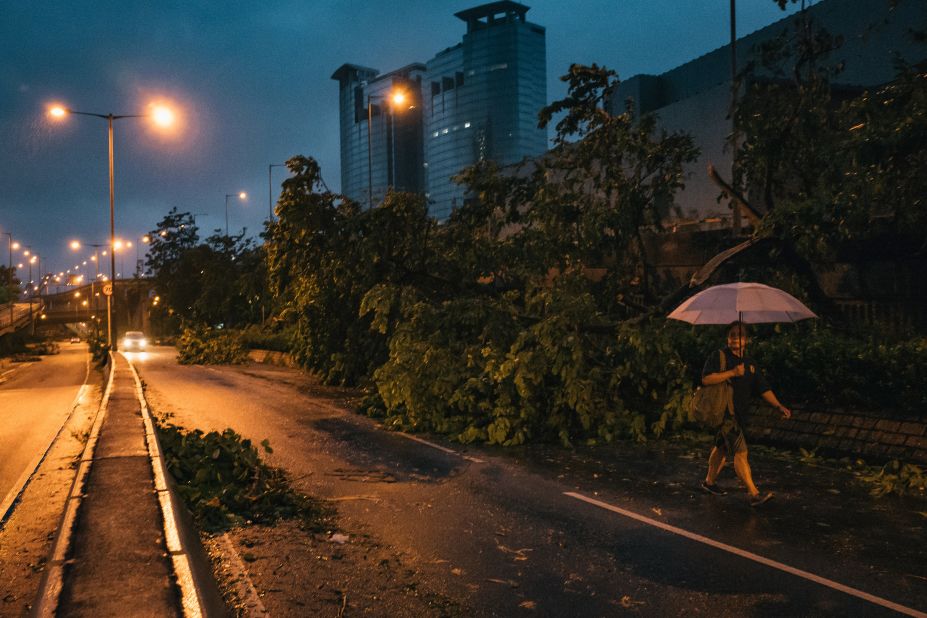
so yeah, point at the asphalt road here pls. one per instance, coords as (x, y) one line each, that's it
(35, 400)
(505, 535)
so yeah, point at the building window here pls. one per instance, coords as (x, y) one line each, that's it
(435, 89)
(359, 104)
(447, 84)
(459, 79)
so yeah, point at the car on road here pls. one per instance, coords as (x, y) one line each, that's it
(75, 339)
(134, 341)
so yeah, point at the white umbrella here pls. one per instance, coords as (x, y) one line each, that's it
(751, 303)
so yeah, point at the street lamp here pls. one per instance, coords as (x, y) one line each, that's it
(144, 240)
(162, 116)
(396, 98)
(95, 258)
(120, 246)
(242, 196)
(270, 207)
(9, 273)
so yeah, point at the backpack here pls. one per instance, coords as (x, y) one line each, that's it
(709, 403)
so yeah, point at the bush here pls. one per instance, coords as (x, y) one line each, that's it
(99, 350)
(820, 366)
(224, 483)
(256, 337)
(205, 346)
(476, 369)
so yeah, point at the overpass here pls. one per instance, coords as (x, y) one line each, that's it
(16, 316)
(87, 303)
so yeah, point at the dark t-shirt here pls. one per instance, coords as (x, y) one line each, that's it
(752, 383)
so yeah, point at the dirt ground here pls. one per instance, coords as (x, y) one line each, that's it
(27, 536)
(351, 574)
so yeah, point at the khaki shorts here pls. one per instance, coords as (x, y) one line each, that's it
(731, 437)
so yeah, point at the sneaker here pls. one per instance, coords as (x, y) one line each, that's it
(759, 499)
(712, 488)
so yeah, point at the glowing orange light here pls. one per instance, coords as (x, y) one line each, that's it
(162, 115)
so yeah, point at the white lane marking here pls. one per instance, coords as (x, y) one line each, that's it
(440, 448)
(751, 556)
(181, 560)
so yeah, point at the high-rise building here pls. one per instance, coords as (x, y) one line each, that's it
(381, 131)
(478, 100)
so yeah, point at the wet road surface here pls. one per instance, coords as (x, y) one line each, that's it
(35, 400)
(498, 533)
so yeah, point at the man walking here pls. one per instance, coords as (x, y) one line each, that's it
(746, 381)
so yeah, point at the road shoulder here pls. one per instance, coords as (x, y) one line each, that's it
(26, 537)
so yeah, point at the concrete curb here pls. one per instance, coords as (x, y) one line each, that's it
(200, 594)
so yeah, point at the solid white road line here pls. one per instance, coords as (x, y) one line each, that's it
(751, 556)
(440, 448)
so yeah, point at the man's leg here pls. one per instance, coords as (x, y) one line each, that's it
(742, 468)
(716, 461)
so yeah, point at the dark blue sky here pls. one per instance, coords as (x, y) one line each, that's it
(252, 81)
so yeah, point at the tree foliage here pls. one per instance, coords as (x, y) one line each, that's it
(831, 164)
(217, 282)
(9, 285)
(489, 326)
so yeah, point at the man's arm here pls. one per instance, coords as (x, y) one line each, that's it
(770, 398)
(717, 378)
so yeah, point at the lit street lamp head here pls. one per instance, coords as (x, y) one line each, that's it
(162, 115)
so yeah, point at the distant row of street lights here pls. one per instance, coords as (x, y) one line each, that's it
(164, 117)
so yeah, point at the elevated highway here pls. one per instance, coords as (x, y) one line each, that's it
(87, 303)
(16, 316)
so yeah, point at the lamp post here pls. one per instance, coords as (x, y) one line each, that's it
(395, 97)
(138, 260)
(120, 246)
(9, 273)
(270, 198)
(162, 116)
(240, 195)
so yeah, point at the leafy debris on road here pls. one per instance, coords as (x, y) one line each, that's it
(205, 346)
(224, 482)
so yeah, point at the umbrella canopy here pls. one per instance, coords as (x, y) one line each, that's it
(751, 303)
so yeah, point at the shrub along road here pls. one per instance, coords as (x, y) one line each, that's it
(539, 529)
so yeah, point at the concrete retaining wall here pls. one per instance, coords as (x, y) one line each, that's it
(269, 357)
(842, 432)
